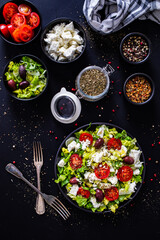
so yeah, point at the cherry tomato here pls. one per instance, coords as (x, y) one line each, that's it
(33, 20)
(9, 10)
(102, 171)
(18, 20)
(124, 173)
(85, 136)
(24, 9)
(16, 35)
(111, 194)
(114, 143)
(10, 28)
(26, 33)
(84, 193)
(75, 161)
(4, 30)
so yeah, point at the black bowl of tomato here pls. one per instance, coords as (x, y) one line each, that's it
(20, 22)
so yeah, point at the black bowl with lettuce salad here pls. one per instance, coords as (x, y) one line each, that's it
(99, 167)
(25, 77)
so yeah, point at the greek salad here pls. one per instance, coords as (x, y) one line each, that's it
(100, 168)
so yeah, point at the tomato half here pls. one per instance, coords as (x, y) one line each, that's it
(16, 35)
(111, 194)
(114, 143)
(124, 173)
(18, 20)
(85, 136)
(24, 9)
(33, 20)
(4, 30)
(84, 193)
(10, 28)
(102, 171)
(9, 10)
(26, 33)
(75, 161)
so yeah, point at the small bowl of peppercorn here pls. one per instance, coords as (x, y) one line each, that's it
(139, 89)
(135, 48)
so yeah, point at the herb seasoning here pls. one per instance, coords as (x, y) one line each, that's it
(93, 82)
(138, 89)
(135, 48)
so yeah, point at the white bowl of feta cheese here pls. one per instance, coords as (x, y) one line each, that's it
(63, 40)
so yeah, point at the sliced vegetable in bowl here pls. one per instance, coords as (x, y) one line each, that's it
(16, 14)
(25, 77)
(101, 169)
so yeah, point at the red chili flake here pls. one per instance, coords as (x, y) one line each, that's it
(51, 132)
(120, 93)
(155, 175)
(151, 179)
(152, 144)
(117, 67)
(76, 124)
(112, 82)
(56, 138)
(149, 159)
(109, 62)
(113, 110)
(159, 143)
(97, 106)
(14, 162)
(73, 89)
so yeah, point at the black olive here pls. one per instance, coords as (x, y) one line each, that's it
(128, 160)
(23, 84)
(22, 72)
(99, 195)
(99, 143)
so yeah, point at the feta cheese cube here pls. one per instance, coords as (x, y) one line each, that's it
(135, 154)
(100, 132)
(79, 48)
(85, 144)
(69, 53)
(66, 35)
(78, 38)
(136, 172)
(113, 180)
(69, 27)
(61, 163)
(74, 189)
(97, 157)
(95, 203)
(73, 145)
(131, 189)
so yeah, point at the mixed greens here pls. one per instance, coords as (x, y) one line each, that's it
(100, 168)
(26, 78)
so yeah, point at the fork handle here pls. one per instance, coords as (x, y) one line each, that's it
(15, 171)
(40, 205)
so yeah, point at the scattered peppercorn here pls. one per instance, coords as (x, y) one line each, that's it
(135, 48)
(138, 89)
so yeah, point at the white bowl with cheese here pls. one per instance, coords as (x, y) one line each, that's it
(63, 40)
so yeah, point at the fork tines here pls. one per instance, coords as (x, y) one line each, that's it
(60, 208)
(37, 152)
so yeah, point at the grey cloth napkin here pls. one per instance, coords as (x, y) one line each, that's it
(107, 16)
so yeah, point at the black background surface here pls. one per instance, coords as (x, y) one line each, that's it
(23, 122)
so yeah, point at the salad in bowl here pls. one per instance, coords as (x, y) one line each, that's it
(100, 168)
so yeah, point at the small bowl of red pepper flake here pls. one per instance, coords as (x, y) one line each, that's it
(139, 89)
(135, 48)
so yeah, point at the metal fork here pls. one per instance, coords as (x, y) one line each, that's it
(38, 162)
(54, 202)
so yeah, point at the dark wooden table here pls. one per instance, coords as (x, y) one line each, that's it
(23, 122)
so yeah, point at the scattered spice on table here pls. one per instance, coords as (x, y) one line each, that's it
(138, 89)
(135, 48)
(93, 82)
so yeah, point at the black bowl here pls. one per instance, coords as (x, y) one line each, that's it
(135, 34)
(58, 156)
(36, 30)
(17, 59)
(51, 25)
(149, 80)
